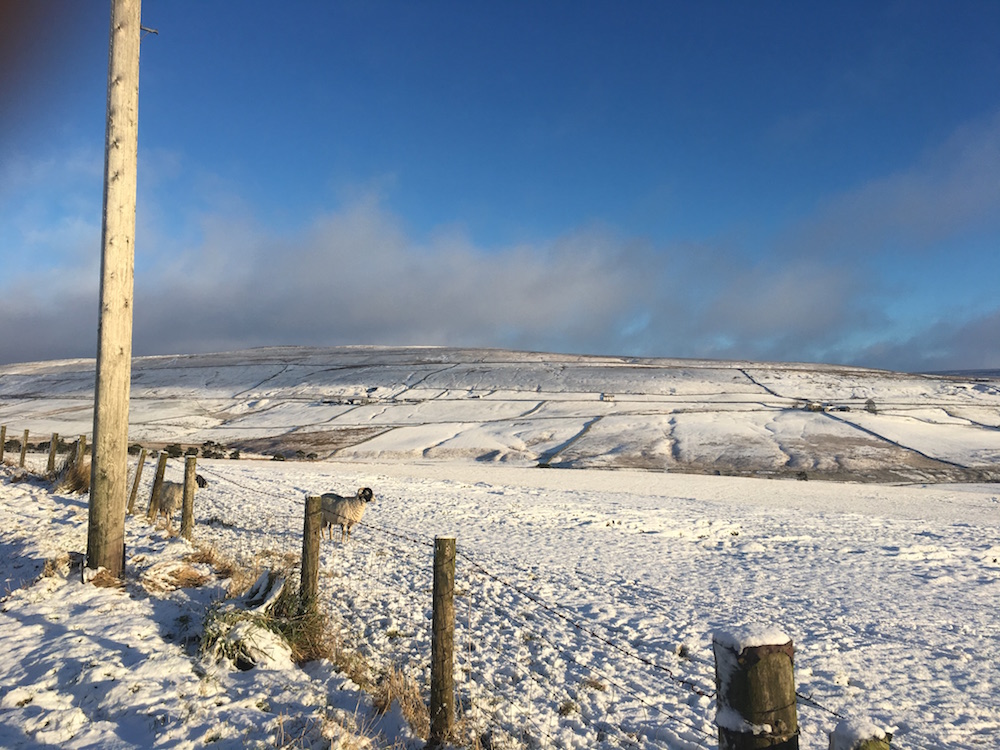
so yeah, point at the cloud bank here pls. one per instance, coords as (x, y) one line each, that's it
(220, 277)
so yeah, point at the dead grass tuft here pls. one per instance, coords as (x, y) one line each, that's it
(105, 580)
(73, 476)
(396, 687)
(170, 576)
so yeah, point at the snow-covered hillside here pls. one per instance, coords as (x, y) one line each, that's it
(587, 599)
(526, 409)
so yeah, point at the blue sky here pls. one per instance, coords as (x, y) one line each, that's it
(769, 180)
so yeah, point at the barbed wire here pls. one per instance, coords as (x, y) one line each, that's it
(552, 609)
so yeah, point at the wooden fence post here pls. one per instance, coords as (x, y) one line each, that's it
(187, 506)
(755, 689)
(154, 496)
(135, 482)
(309, 579)
(53, 447)
(443, 642)
(859, 735)
(24, 448)
(3, 440)
(81, 449)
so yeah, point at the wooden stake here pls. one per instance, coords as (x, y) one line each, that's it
(109, 464)
(154, 496)
(312, 527)
(24, 448)
(135, 482)
(53, 446)
(187, 506)
(443, 642)
(3, 440)
(755, 690)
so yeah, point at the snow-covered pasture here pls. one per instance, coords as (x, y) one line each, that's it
(587, 600)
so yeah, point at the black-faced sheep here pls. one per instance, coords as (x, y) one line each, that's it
(345, 511)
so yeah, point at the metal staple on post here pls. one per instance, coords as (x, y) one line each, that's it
(443, 642)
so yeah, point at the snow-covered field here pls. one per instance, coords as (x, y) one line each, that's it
(491, 406)
(587, 598)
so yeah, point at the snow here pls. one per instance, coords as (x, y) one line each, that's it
(849, 733)
(751, 635)
(587, 599)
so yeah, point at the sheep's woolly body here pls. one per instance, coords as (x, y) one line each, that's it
(171, 497)
(344, 511)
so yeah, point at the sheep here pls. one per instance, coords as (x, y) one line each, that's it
(345, 511)
(171, 497)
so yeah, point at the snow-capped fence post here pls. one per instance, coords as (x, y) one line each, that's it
(154, 496)
(50, 467)
(187, 505)
(135, 481)
(859, 735)
(755, 689)
(312, 526)
(443, 642)
(24, 448)
(3, 440)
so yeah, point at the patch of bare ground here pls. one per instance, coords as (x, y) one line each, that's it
(323, 443)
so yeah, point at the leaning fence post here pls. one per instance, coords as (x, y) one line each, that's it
(755, 689)
(154, 496)
(53, 447)
(852, 734)
(24, 448)
(443, 642)
(3, 440)
(312, 524)
(135, 482)
(187, 506)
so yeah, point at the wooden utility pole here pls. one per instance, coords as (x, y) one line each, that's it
(109, 464)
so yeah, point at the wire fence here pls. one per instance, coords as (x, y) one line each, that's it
(532, 671)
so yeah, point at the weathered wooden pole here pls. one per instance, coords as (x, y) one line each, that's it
(755, 689)
(81, 449)
(851, 734)
(154, 496)
(135, 482)
(50, 468)
(109, 465)
(3, 440)
(312, 527)
(187, 506)
(443, 642)
(24, 449)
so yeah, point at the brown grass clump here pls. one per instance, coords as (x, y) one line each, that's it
(396, 687)
(73, 476)
(105, 580)
(170, 576)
